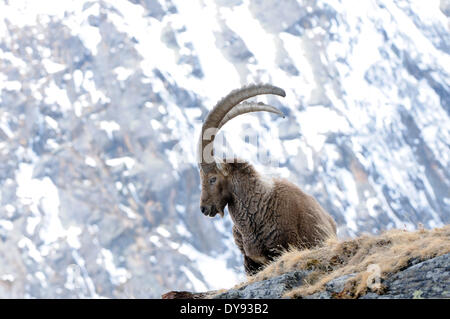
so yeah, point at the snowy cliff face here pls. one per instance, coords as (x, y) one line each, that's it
(101, 105)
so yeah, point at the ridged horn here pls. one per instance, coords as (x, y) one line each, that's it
(215, 119)
(248, 107)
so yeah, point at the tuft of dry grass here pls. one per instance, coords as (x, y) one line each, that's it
(390, 252)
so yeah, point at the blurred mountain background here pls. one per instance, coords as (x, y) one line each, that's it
(101, 104)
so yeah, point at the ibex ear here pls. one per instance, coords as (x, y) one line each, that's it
(223, 169)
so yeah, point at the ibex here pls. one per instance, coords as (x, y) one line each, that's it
(268, 216)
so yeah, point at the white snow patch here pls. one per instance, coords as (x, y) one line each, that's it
(4, 125)
(32, 251)
(109, 127)
(90, 161)
(130, 213)
(32, 223)
(213, 269)
(155, 240)
(317, 121)
(216, 68)
(77, 79)
(180, 208)
(7, 277)
(258, 41)
(156, 125)
(126, 160)
(72, 236)
(118, 275)
(372, 202)
(51, 122)
(198, 285)
(52, 67)
(182, 230)
(43, 194)
(292, 146)
(6, 224)
(122, 73)
(9, 85)
(42, 279)
(55, 94)
(96, 95)
(10, 209)
(163, 232)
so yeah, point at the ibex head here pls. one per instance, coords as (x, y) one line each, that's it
(214, 173)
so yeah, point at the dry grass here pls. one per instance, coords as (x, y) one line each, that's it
(391, 251)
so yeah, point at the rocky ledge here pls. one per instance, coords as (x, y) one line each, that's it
(426, 279)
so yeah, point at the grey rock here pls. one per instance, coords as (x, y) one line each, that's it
(427, 279)
(333, 286)
(266, 289)
(232, 46)
(337, 285)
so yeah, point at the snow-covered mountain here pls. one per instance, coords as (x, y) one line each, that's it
(101, 105)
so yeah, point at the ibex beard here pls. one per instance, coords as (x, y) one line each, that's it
(268, 216)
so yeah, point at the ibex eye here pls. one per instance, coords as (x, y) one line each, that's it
(212, 180)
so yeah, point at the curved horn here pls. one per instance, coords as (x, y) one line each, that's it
(248, 107)
(217, 114)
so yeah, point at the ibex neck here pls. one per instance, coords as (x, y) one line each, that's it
(249, 196)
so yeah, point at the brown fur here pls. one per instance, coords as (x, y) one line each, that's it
(268, 216)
